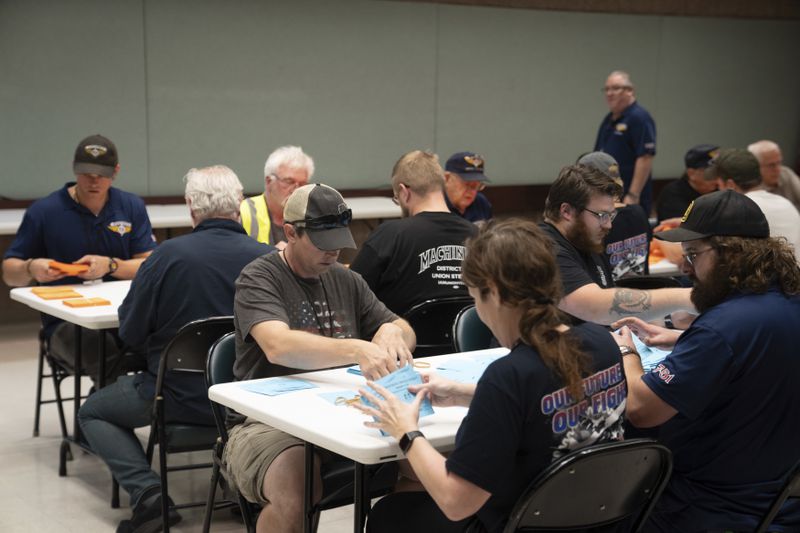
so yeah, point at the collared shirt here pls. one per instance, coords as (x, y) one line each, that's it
(186, 278)
(479, 209)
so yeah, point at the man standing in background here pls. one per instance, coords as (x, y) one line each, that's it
(628, 134)
(286, 169)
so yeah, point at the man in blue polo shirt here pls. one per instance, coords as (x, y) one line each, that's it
(88, 222)
(463, 182)
(187, 278)
(726, 398)
(628, 133)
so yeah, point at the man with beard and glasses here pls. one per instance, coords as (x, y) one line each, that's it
(418, 257)
(577, 216)
(726, 398)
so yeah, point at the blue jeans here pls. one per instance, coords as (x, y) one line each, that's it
(107, 419)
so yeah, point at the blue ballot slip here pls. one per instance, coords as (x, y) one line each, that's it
(397, 383)
(277, 386)
(466, 370)
(650, 355)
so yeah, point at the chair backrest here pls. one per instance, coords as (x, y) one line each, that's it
(469, 331)
(790, 489)
(596, 486)
(219, 369)
(188, 349)
(432, 321)
(648, 282)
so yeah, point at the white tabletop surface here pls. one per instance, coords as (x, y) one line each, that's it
(177, 215)
(95, 317)
(339, 428)
(664, 268)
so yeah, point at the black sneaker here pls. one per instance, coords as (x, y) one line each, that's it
(147, 514)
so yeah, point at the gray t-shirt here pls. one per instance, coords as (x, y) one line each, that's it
(339, 304)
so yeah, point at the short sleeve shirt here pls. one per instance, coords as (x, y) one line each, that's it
(522, 417)
(628, 242)
(578, 268)
(479, 209)
(339, 304)
(675, 197)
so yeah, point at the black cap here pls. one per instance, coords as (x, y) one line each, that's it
(468, 165)
(95, 155)
(726, 213)
(700, 156)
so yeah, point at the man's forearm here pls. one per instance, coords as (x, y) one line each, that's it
(648, 304)
(641, 171)
(306, 351)
(16, 272)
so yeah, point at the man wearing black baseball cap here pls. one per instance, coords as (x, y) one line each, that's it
(87, 222)
(301, 310)
(463, 182)
(726, 397)
(677, 195)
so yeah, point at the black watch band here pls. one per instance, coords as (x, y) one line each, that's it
(408, 438)
(668, 322)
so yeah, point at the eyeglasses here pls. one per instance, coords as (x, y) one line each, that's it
(604, 218)
(474, 185)
(614, 88)
(691, 256)
(286, 182)
(326, 221)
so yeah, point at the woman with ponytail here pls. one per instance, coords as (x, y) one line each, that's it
(559, 389)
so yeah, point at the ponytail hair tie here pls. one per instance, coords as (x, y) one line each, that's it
(544, 301)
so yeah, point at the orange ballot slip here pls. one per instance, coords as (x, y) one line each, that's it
(86, 302)
(69, 268)
(55, 293)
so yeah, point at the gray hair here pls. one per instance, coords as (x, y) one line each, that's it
(291, 157)
(625, 76)
(761, 148)
(213, 192)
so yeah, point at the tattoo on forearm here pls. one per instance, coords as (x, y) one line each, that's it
(630, 302)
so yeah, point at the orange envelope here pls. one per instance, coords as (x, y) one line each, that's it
(69, 268)
(86, 302)
(62, 295)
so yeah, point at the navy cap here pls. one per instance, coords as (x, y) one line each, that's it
(468, 165)
(700, 156)
(726, 213)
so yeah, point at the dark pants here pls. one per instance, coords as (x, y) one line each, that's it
(404, 512)
(62, 348)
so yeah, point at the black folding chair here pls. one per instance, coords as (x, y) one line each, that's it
(595, 487)
(790, 489)
(58, 373)
(432, 321)
(337, 477)
(469, 331)
(186, 353)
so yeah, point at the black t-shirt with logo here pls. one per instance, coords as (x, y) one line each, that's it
(413, 259)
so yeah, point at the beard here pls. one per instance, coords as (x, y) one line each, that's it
(707, 294)
(581, 239)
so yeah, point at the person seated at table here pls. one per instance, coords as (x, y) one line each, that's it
(627, 244)
(726, 399)
(186, 278)
(560, 389)
(301, 310)
(286, 169)
(89, 222)
(463, 182)
(418, 257)
(578, 214)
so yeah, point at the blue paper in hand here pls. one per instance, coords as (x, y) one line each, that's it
(397, 383)
(276, 386)
(650, 355)
(466, 370)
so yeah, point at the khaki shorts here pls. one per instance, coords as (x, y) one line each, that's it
(251, 448)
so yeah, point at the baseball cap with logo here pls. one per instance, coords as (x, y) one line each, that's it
(700, 156)
(95, 155)
(321, 212)
(468, 165)
(601, 161)
(726, 213)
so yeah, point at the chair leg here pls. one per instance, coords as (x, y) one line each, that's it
(62, 457)
(162, 462)
(212, 492)
(39, 379)
(58, 377)
(114, 493)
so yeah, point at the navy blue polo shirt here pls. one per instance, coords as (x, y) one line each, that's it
(57, 227)
(626, 139)
(479, 209)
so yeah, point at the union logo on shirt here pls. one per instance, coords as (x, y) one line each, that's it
(121, 227)
(621, 126)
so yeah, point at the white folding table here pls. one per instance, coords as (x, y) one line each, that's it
(339, 428)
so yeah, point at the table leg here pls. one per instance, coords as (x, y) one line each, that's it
(308, 497)
(101, 366)
(360, 499)
(76, 429)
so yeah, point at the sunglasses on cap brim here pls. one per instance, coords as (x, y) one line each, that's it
(326, 221)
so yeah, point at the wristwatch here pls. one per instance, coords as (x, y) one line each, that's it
(408, 438)
(112, 265)
(625, 350)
